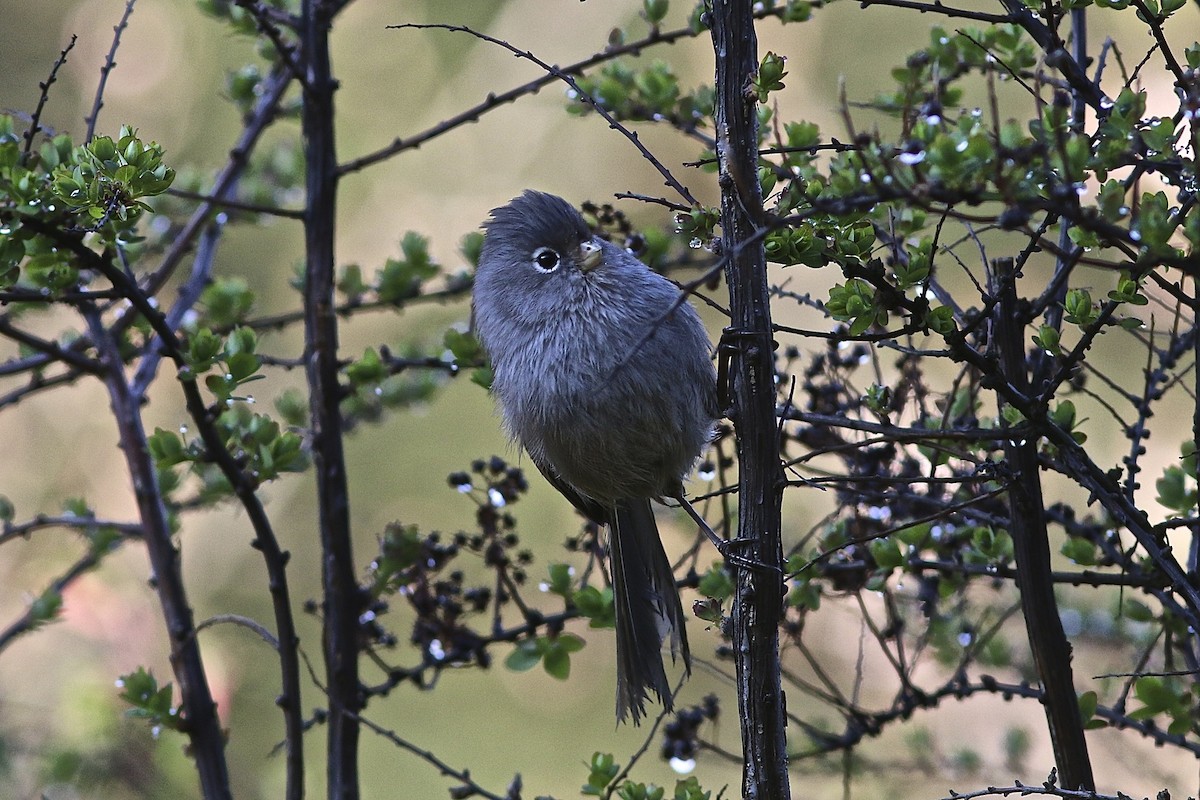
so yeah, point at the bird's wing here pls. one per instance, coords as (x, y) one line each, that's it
(591, 509)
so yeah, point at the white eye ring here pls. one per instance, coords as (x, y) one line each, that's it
(546, 259)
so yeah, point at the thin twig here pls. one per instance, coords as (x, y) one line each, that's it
(21, 530)
(581, 95)
(109, 63)
(469, 787)
(35, 121)
(237, 205)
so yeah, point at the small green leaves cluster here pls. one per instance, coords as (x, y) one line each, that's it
(962, 156)
(99, 187)
(649, 93)
(1079, 308)
(857, 303)
(150, 701)
(594, 604)
(896, 550)
(468, 354)
(401, 278)
(603, 770)
(769, 77)
(404, 278)
(1165, 696)
(263, 448)
(225, 303)
(380, 380)
(698, 225)
(552, 652)
(256, 441)
(399, 551)
(1177, 488)
(106, 179)
(950, 55)
(1063, 415)
(45, 608)
(822, 240)
(238, 17)
(234, 354)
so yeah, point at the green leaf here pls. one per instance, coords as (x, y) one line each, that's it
(1012, 415)
(1154, 693)
(1079, 550)
(292, 405)
(1047, 338)
(150, 701)
(596, 605)
(45, 608)
(1174, 491)
(886, 553)
(202, 349)
(227, 302)
(1088, 702)
(367, 370)
(465, 347)
(1136, 611)
(399, 550)
(769, 77)
(915, 535)
(716, 583)
(1080, 310)
(569, 642)
(524, 656)
(805, 594)
(401, 279)
(655, 10)
(602, 769)
(166, 448)
(471, 246)
(242, 366)
(1063, 415)
(484, 376)
(351, 283)
(561, 578)
(557, 663)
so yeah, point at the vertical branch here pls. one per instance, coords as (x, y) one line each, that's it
(1193, 561)
(340, 590)
(1043, 365)
(35, 121)
(758, 603)
(109, 63)
(1031, 549)
(202, 725)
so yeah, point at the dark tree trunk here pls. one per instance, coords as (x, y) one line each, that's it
(1031, 548)
(340, 588)
(758, 603)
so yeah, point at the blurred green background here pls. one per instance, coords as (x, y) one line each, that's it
(61, 724)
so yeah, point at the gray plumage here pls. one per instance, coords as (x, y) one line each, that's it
(605, 377)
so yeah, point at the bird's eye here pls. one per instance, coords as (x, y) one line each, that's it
(545, 259)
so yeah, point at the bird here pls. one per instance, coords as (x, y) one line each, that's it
(603, 372)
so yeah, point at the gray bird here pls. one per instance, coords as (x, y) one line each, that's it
(604, 374)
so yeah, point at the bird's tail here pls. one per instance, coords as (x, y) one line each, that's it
(647, 609)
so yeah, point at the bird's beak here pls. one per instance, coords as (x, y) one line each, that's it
(588, 257)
